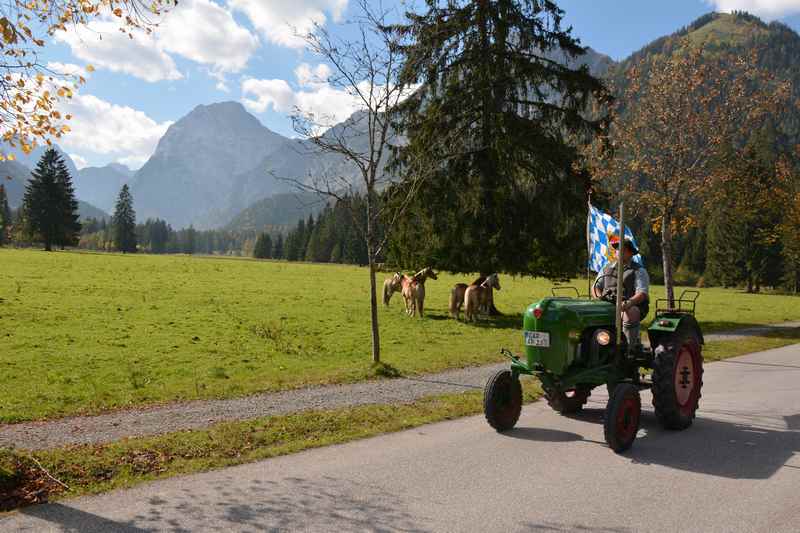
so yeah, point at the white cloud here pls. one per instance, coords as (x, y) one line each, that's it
(768, 9)
(275, 93)
(67, 69)
(314, 96)
(79, 161)
(123, 133)
(282, 20)
(104, 46)
(199, 30)
(205, 32)
(312, 77)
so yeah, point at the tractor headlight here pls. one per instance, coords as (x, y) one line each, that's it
(602, 337)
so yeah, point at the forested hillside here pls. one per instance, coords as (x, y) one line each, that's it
(737, 227)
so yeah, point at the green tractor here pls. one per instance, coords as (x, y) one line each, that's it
(573, 344)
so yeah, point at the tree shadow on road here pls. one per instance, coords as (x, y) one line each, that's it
(737, 450)
(326, 504)
(67, 518)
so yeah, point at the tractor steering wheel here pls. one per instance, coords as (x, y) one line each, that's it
(609, 294)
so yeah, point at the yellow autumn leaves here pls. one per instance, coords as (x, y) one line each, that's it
(29, 91)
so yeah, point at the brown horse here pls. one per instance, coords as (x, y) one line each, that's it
(457, 296)
(391, 286)
(476, 297)
(413, 289)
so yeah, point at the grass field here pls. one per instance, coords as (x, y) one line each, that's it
(83, 333)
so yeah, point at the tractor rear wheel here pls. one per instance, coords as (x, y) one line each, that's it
(677, 380)
(502, 400)
(569, 401)
(622, 417)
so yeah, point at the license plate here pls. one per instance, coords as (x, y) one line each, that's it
(538, 339)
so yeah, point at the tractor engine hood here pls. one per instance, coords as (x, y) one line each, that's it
(564, 320)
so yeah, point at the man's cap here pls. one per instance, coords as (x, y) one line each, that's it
(628, 244)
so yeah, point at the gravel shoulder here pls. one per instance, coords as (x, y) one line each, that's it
(202, 413)
(158, 420)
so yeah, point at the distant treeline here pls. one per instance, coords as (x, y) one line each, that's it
(331, 237)
(156, 236)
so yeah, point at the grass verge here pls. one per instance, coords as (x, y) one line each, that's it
(89, 469)
(87, 333)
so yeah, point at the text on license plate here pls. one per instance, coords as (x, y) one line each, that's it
(539, 339)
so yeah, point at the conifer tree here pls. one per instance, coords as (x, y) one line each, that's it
(71, 227)
(50, 209)
(5, 215)
(295, 244)
(189, 240)
(493, 135)
(263, 247)
(125, 222)
(277, 252)
(308, 235)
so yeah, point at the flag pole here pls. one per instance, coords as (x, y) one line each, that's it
(589, 249)
(620, 272)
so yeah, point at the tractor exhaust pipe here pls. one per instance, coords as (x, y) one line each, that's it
(620, 272)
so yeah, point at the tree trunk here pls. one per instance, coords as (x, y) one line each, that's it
(666, 253)
(373, 303)
(373, 291)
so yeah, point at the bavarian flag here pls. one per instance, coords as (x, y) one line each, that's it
(600, 229)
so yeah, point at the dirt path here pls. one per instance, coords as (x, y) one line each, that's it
(202, 413)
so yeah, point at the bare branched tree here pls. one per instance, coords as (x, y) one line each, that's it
(367, 68)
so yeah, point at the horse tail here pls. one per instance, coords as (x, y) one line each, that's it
(453, 304)
(469, 305)
(387, 292)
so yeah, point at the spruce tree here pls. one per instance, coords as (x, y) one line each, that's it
(189, 240)
(309, 234)
(493, 136)
(5, 215)
(295, 243)
(71, 227)
(125, 222)
(263, 247)
(277, 252)
(49, 207)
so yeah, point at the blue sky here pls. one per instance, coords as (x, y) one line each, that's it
(245, 50)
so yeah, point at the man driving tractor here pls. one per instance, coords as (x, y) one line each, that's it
(636, 285)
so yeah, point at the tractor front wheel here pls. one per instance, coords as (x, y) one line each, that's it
(567, 402)
(622, 417)
(677, 382)
(502, 400)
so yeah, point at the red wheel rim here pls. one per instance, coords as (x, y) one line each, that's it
(628, 419)
(686, 378)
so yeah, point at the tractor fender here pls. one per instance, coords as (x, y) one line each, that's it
(670, 323)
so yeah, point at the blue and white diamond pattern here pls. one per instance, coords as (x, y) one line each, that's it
(600, 227)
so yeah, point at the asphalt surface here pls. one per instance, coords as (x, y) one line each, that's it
(736, 469)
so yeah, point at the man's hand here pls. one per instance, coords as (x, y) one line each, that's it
(626, 304)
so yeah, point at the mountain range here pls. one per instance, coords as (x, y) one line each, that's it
(218, 166)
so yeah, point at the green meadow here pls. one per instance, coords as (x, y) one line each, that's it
(83, 333)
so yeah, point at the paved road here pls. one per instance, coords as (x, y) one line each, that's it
(736, 469)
